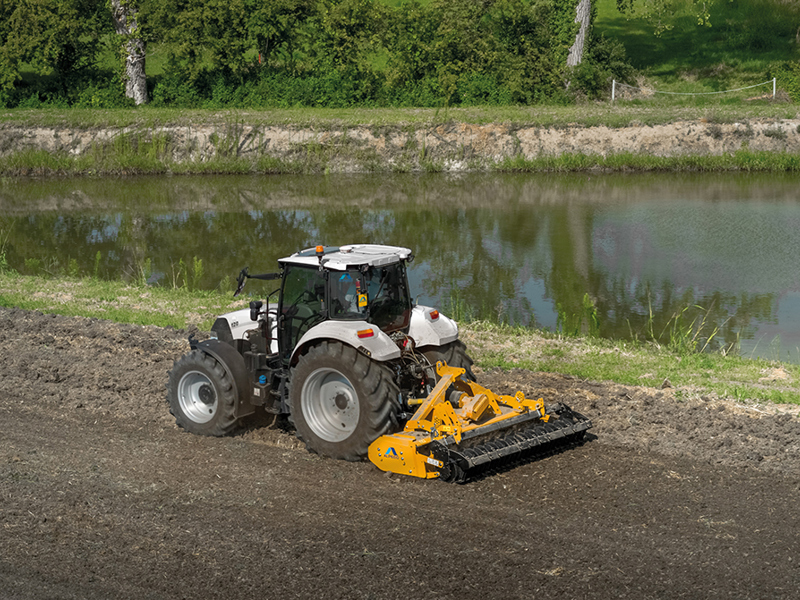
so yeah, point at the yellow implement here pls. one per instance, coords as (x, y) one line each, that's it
(462, 426)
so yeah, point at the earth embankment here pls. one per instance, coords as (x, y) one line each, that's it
(451, 146)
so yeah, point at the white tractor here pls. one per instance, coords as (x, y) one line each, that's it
(342, 351)
(349, 357)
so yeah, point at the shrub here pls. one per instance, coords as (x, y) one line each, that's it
(102, 94)
(788, 76)
(604, 60)
(174, 90)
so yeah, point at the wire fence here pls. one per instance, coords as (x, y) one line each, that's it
(616, 83)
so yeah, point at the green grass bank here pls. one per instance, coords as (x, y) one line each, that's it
(491, 345)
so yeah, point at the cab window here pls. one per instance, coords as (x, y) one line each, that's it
(303, 303)
(379, 295)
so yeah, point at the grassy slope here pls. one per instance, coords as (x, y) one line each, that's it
(734, 51)
(491, 345)
(654, 112)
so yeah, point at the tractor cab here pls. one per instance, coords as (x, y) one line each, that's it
(349, 283)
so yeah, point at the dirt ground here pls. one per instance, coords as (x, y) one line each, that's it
(101, 496)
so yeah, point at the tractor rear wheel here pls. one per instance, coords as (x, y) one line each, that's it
(340, 401)
(454, 354)
(201, 395)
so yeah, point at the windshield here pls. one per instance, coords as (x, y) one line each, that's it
(379, 296)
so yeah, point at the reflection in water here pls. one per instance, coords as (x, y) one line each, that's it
(622, 255)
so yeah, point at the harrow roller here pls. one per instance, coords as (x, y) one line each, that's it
(462, 429)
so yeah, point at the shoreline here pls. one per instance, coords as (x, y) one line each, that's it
(747, 381)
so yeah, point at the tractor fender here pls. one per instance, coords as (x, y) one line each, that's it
(431, 328)
(234, 325)
(238, 322)
(233, 363)
(377, 345)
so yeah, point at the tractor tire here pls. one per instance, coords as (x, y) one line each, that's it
(340, 401)
(454, 354)
(201, 395)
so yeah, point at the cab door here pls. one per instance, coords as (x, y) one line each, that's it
(302, 305)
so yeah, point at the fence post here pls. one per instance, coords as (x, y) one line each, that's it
(773, 87)
(613, 89)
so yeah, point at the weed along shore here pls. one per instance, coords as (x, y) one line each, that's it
(463, 141)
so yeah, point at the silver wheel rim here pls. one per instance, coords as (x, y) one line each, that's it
(330, 405)
(197, 397)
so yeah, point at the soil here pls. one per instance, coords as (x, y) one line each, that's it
(102, 496)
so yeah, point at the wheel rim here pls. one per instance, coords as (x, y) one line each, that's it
(330, 405)
(197, 397)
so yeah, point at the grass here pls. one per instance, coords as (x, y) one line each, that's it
(136, 303)
(146, 158)
(491, 345)
(633, 363)
(738, 49)
(742, 160)
(652, 112)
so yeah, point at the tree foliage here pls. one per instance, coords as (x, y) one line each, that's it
(662, 12)
(200, 34)
(344, 34)
(273, 29)
(58, 37)
(492, 49)
(308, 52)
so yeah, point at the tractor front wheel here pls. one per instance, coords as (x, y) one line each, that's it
(201, 395)
(340, 401)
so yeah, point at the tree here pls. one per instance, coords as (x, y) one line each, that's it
(525, 59)
(410, 37)
(202, 35)
(273, 28)
(59, 37)
(125, 15)
(481, 50)
(9, 72)
(461, 44)
(345, 33)
(583, 15)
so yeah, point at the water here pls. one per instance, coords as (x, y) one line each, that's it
(636, 255)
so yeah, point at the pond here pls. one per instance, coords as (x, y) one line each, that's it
(709, 259)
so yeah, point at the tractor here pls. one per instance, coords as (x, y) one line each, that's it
(351, 359)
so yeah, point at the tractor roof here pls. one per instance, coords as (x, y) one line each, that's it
(354, 255)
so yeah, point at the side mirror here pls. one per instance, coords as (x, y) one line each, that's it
(255, 309)
(240, 282)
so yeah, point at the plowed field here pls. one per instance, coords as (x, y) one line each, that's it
(101, 496)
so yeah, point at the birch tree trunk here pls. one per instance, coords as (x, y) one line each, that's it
(124, 15)
(582, 16)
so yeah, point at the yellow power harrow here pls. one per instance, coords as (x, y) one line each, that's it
(463, 427)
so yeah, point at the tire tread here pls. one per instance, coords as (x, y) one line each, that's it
(375, 379)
